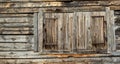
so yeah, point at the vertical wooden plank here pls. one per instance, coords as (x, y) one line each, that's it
(114, 39)
(56, 16)
(77, 42)
(80, 20)
(112, 20)
(67, 43)
(86, 16)
(60, 42)
(74, 32)
(110, 30)
(65, 36)
(55, 32)
(51, 31)
(83, 29)
(88, 44)
(64, 31)
(40, 30)
(70, 30)
(35, 21)
(79, 28)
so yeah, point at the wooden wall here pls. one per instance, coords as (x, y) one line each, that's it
(18, 23)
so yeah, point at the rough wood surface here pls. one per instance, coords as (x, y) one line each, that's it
(35, 22)
(110, 30)
(64, 29)
(40, 31)
(75, 33)
(20, 3)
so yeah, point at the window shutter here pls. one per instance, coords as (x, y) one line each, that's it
(57, 31)
(72, 32)
(90, 32)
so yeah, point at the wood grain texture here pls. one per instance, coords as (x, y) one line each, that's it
(35, 22)
(40, 31)
(16, 32)
(110, 30)
(77, 32)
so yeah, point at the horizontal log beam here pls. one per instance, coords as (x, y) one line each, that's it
(48, 0)
(48, 4)
(61, 9)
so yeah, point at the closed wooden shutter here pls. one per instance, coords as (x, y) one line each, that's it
(90, 32)
(81, 32)
(58, 32)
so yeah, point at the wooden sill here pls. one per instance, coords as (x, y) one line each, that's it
(77, 55)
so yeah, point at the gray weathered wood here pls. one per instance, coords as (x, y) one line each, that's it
(110, 30)
(35, 21)
(60, 42)
(15, 38)
(15, 46)
(88, 44)
(74, 32)
(40, 30)
(56, 3)
(66, 9)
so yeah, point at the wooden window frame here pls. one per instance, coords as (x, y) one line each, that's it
(40, 26)
(35, 23)
(111, 46)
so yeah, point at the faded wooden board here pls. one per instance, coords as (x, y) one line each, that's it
(60, 63)
(83, 41)
(40, 31)
(16, 38)
(15, 46)
(16, 15)
(33, 0)
(82, 34)
(110, 30)
(70, 31)
(60, 21)
(62, 9)
(9, 25)
(35, 22)
(15, 19)
(45, 4)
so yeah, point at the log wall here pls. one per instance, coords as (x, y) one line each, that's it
(19, 20)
